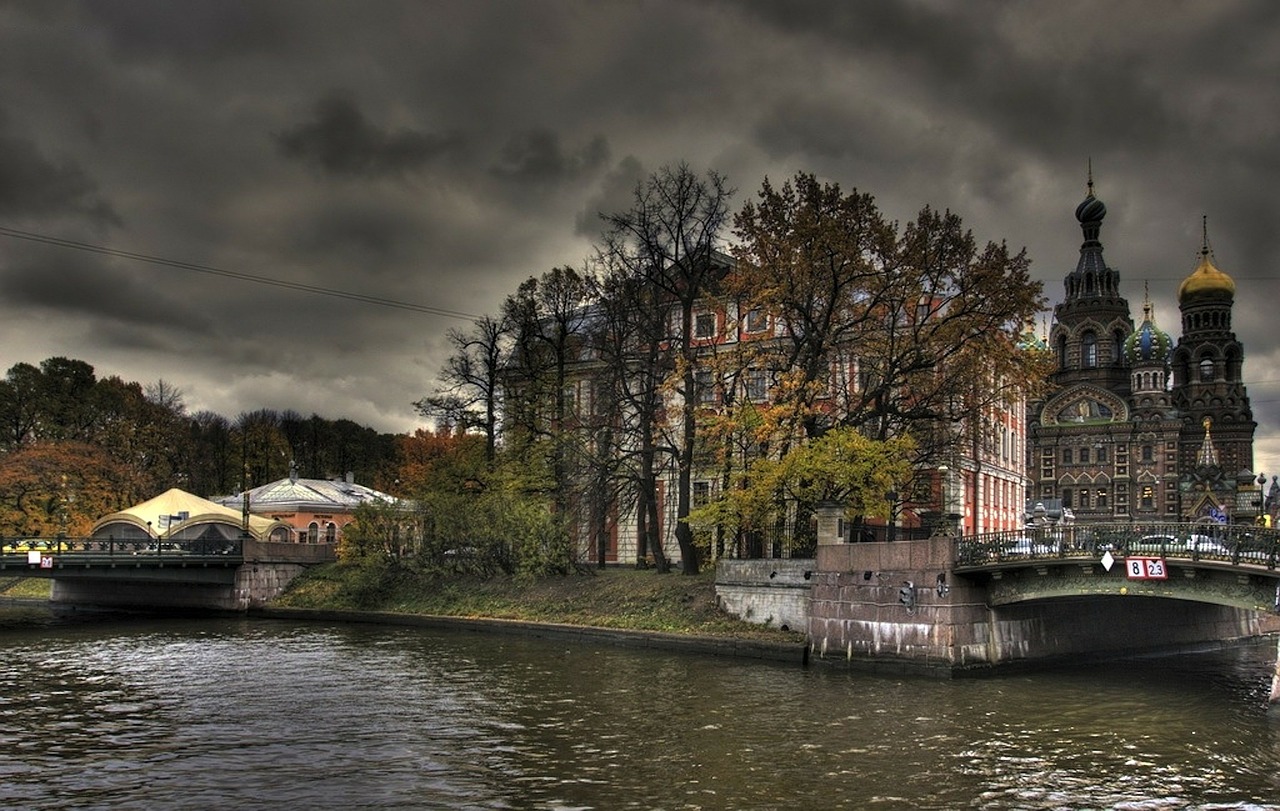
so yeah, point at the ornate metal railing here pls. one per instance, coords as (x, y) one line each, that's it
(1235, 544)
(19, 549)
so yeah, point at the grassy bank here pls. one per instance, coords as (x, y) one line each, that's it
(26, 588)
(614, 598)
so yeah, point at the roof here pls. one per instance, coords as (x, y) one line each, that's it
(1206, 279)
(322, 494)
(174, 509)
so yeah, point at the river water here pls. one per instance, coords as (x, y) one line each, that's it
(244, 713)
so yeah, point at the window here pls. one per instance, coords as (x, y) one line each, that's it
(1102, 498)
(756, 321)
(1066, 456)
(1206, 370)
(701, 493)
(1089, 351)
(1147, 454)
(1066, 499)
(1084, 456)
(704, 387)
(704, 325)
(330, 532)
(1101, 455)
(757, 385)
(313, 532)
(1084, 499)
(1148, 496)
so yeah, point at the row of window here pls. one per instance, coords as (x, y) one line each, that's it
(705, 323)
(1089, 349)
(1099, 455)
(1098, 498)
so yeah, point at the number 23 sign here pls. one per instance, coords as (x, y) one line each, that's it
(1146, 568)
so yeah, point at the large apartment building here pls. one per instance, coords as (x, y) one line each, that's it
(977, 484)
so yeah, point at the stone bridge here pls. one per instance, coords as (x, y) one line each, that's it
(148, 574)
(953, 604)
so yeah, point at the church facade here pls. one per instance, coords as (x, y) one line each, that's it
(1138, 427)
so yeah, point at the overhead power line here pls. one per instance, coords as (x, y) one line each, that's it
(233, 274)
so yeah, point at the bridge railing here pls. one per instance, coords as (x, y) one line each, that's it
(111, 547)
(1235, 544)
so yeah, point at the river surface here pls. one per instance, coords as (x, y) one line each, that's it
(245, 713)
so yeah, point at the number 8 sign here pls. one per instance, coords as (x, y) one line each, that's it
(1146, 568)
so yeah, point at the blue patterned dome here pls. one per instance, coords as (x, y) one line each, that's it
(1148, 345)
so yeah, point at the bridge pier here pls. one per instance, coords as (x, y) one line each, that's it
(1275, 676)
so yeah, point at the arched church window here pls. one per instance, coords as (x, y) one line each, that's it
(1206, 370)
(1089, 351)
(1062, 351)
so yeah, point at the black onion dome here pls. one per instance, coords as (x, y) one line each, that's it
(1091, 210)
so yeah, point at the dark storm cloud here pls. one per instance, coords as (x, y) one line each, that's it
(342, 141)
(464, 145)
(616, 193)
(35, 186)
(45, 279)
(142, 29)
(537, 156)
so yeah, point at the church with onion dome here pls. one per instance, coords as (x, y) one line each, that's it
(1137, 426)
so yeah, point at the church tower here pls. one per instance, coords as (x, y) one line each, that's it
(1081, 435)
(1208, 388)
(1092, 322)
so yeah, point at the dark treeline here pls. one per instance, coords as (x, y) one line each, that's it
(74, 446)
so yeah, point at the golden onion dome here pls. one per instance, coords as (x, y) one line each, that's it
(1206, 279)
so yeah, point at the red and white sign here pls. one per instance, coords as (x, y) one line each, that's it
(1146, 569)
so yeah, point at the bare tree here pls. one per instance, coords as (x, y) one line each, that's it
(668, 239)
(471, 396)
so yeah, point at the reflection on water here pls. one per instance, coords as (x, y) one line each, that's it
(240, 713)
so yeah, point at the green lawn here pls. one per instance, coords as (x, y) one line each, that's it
(613, 598)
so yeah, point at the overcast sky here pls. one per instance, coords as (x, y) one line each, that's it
(438, 153)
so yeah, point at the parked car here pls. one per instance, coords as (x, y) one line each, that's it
(1155, 544)
(1207, 546)
(1030, 547)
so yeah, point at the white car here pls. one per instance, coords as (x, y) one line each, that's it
(1207, 546)
(1030, 547)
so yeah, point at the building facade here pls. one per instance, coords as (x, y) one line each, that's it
(316, 510)
(980, 485)
(1138, 427)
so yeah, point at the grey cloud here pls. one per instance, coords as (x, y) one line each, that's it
(84, 285)
(537, 156)
(36, 186)
(616, 194)
(148, 28)
(341, 141)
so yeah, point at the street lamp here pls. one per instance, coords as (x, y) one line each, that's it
(1262, 482)
(890, 531)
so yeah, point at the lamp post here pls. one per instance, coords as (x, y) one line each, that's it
(890, 531)
(1262, 482)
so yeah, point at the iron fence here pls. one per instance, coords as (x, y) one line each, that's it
(1235, 544)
